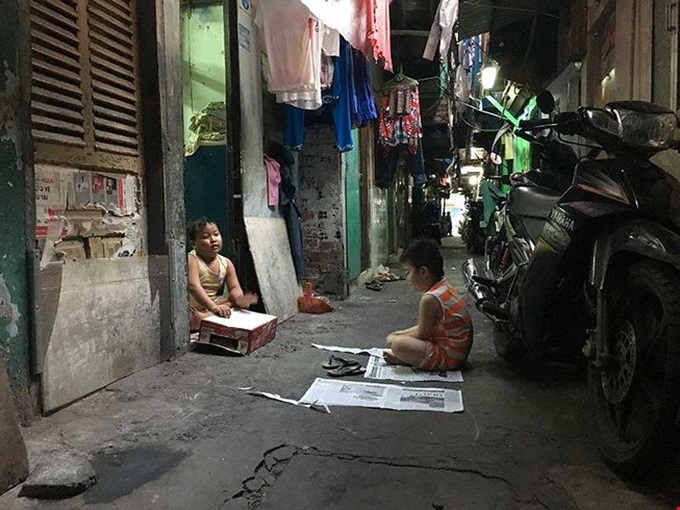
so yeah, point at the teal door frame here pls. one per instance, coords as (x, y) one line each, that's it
(353, 209)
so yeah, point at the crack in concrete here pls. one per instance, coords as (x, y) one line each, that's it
(274, 461)
(385, 461)
(267, 471)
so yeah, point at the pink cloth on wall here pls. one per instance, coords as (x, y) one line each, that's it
(273, 180)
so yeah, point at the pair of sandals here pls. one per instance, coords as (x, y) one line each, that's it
(388, 277)
(341, 367)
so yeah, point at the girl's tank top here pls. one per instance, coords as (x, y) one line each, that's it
(210, 281)
(455, 328)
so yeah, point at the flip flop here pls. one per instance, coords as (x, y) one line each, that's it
(349, 368)
(334, 362)
(374, 285)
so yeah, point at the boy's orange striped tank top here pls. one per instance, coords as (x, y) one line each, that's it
(454, 332)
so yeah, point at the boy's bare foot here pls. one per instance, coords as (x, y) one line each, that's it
(391, 359)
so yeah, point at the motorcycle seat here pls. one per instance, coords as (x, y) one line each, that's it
(534, 179)
(533, 202)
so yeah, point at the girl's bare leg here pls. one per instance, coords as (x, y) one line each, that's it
(406, 350)
(195, 318)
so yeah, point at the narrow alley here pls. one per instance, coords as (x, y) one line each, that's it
(188, 186)
(181, 435)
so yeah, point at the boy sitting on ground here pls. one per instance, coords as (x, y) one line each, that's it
(213, 284)
(443, 336)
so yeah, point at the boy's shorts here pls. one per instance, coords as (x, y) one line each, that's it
(442, 355)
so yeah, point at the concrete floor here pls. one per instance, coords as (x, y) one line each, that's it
(182, 436)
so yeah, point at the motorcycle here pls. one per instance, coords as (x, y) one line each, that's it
(558, 161)
(590, 274)
(471, 232)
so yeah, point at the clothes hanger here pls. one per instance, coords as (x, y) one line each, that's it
(400, 78)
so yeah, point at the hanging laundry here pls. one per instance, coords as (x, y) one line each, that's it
(400, 131)
(337, 97)
(288, 39)
(362, 98)
(330, 41)
(273, 180)
(400, 121)
(388, 162)
(441, 32)
(379, 33)
(290, 181)
(293, 41)
(327, 70)
(308, 97)
(365, 24)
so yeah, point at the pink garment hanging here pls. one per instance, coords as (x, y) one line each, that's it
(273, 180)
(379, 33)
(365, 24)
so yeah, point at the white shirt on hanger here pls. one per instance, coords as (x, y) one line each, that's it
(289, 35)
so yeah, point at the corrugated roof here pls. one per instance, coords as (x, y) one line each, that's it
(479, 16)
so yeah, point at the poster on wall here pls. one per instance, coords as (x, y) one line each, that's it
(98, 189)
(50, 199)
(112, 194)
(82, 189)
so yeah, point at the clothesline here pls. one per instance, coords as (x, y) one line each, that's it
(477, 3)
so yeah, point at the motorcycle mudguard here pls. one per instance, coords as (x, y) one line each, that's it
(641, 237)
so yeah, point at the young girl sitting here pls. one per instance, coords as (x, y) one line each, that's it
(443, 336)
(213, 285)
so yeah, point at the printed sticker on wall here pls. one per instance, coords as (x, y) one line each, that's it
(112, 194)
(98, 189)
(83, 189)
(50, 199)
(243, 37)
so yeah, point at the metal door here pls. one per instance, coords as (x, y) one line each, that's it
(353, 209)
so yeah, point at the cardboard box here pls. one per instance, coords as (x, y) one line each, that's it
(242, 333)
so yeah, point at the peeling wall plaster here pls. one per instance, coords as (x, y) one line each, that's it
(9, 312)
(9, 94)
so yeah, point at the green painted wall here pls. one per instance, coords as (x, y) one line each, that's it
(203, 65)
(14, 304)
(353, 208)
(522, 147)
(379, 225)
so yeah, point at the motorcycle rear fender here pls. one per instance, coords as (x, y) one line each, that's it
(640, 237)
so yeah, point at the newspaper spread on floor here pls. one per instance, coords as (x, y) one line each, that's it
(372, 351)
(376, 368)
(382, 396)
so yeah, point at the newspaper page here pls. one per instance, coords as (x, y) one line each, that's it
(371, 351)
(382, 396)
(376, 368)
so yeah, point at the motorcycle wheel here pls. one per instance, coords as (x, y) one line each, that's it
(635, 397)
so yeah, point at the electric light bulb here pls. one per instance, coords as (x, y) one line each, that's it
(489, 75)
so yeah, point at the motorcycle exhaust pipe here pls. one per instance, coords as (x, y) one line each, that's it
(481, 293)
(477, 291)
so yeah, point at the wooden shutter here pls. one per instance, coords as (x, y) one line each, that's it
(85, 86)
